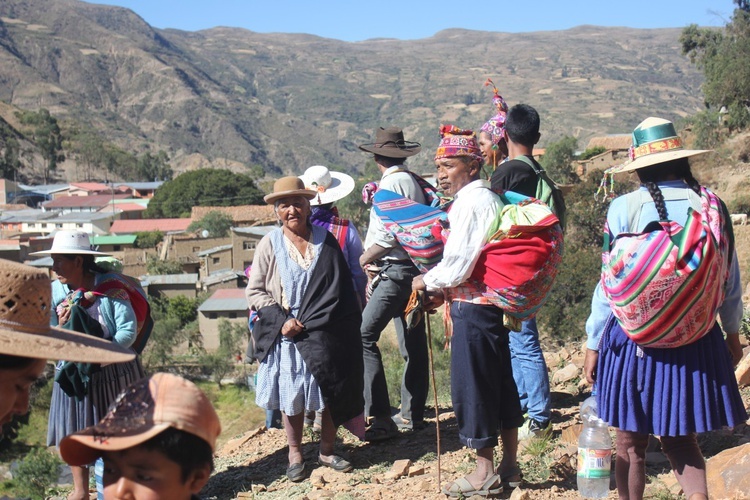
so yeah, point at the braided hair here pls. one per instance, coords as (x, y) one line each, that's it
(670, 170)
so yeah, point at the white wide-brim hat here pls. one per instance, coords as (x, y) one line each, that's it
(70, 243)
(655, 141)
(329, 186)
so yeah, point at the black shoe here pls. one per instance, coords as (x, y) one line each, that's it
(337, 463)
(296, 472)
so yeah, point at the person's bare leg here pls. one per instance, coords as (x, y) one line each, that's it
(485, 468)
(80, 483)
(327, 436)
(509, 462)
(293, 427)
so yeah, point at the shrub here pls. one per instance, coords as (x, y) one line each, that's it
(148, 239)
(37, 472)
(156, 266)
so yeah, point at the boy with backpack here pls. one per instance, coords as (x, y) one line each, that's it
(524, 175)
(157, 441)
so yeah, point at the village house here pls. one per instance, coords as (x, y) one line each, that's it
(615, 152)
(115, 245)
(139, 189)
(171, 285)
(242, 216)
(229, 304)
(68, 204)
(244, 242)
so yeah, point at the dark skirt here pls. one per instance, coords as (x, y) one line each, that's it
(667, 392)
(68, 415)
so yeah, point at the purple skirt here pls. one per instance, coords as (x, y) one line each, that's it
(667, 392)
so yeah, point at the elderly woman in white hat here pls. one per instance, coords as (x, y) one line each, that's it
(76, 405)
(678, 391)
(27, 340)
(331, 187)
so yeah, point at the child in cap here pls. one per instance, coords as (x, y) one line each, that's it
(157, 440)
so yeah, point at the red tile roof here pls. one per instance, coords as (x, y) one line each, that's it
(138, 225)
(243, 213)
(96, 201)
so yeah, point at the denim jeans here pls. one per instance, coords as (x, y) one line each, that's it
(530, 371)
(387, 303)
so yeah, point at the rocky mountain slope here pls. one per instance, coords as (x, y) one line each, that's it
(229, 97)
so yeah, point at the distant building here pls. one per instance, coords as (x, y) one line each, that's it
(244, 242)
(242, 216)
(616, 149)
(214, 259)
(171, 285)
(229, 304)
(80, 203)
(113, 244)
(139, 189)
(163, 225)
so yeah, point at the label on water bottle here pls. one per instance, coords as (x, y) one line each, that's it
(594, 464)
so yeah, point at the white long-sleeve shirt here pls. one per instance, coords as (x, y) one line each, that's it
(473, 219)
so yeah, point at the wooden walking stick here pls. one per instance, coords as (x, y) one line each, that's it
(413, 310)
(434, 392)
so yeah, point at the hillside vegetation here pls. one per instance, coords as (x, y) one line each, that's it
(232, 98)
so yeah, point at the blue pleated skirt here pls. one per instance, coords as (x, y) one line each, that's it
(68, 415)
(667, 392)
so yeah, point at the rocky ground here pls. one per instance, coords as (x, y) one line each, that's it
(253, 465)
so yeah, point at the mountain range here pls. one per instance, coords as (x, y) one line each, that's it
(232, 98)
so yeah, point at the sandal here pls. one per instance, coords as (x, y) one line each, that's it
(462, 488)
(381, 429)
(506, 477)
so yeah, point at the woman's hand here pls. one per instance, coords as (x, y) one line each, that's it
(63, 315)
(418, 283)
(589, 365)
(291, 328)
(735, 349)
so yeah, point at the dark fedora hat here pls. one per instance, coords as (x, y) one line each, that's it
(390, 142)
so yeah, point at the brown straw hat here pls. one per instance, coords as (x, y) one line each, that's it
(289, 186)
(390, 142)
(145, 409)
(25, 302)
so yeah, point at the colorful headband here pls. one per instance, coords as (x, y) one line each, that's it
(495, 125)
(457, 142)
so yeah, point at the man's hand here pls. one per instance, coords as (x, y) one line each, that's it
(292, 327)
(418, 283)
(433, 300)
(589, 365)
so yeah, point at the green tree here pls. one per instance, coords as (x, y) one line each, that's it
(156, 266)
(591, 152)
(183, 309)
(221, 362)
(204, 187)
(154, 167)
(557, 159)
(47, 137)
(216, 223)
(165, 337)
(148, 239)
(724, 57)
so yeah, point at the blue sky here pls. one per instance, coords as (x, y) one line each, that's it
(355, 20)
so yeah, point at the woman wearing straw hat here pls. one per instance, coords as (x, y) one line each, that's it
(27, 340)
(671, 391)
(306, 337)
(80, 398)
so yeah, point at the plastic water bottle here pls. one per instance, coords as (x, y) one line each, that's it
(99, 478)
(594, 453)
